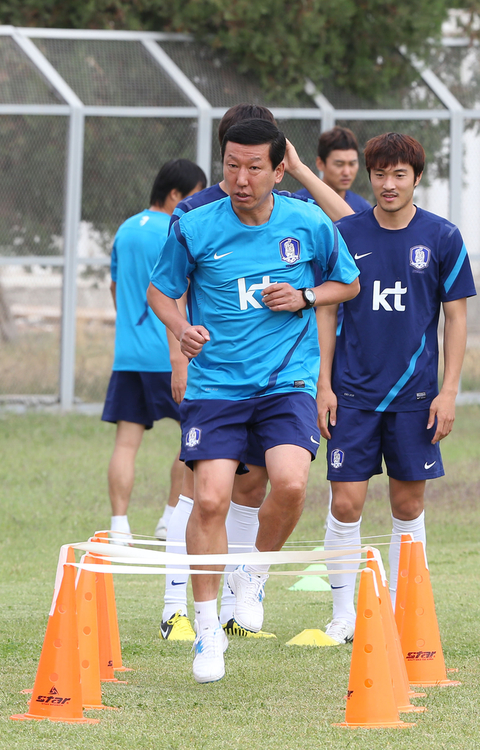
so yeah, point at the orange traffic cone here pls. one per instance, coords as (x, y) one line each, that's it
(370, 698)
(394, 651)
(86, 596)
(420, 638)
(57, 693)
(112, 613)
(104, 640)
(67, 555)
(402, 580)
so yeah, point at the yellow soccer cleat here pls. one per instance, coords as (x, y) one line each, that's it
(177, 628)
(233, 628)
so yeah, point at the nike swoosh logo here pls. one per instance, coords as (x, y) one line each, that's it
(313, 440)
(217, 257)
(178, 583)
(357, 257)
(429, 466)
(337, 587)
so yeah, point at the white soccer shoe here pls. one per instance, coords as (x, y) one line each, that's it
(123, 538)
(249, 594)
(340, 630)
(161, 531)
(209, 647)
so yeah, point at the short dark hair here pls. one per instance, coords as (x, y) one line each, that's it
(256, 132)
(337, 138)
(389, 149)
(177, 174)
(242, 112)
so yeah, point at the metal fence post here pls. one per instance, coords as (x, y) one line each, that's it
(72, 217)
(72, 212)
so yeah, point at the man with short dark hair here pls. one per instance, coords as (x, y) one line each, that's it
(250, 488)
(142, 381)
(381, 395)
(338, 161)
(254, 350)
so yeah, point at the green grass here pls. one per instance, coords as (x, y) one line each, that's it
(273, 697)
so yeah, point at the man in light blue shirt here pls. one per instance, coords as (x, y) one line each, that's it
(140, 388)
(252, 340)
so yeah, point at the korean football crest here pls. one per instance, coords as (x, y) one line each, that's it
(336, 458)
(290, 250)
(419, 257)
(193, 437)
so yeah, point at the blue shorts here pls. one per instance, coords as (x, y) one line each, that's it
(360, 439)
(219, 428)
(140, 397)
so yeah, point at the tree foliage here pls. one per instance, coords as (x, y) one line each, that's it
(281, 42)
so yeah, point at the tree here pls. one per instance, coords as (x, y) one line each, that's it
(281, 42)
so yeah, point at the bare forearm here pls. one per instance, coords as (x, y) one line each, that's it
(334, 292)
(327, 330)
(454, 343)
(328, 200)
(166, 309)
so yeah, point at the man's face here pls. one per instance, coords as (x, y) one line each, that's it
(339, 169)
(393, 186)
(249, 176)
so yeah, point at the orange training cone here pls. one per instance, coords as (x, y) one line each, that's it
(112, 614)
(394, 651)
(86, 596)
(104, 641)
(420, 638)
(67, 555)
(402, 579)
(57, 693)
(370, 698)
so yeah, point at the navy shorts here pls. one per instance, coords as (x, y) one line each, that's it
(140, 397)
(219, 428)
(360, 439)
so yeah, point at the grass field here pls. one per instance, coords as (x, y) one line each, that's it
(273, 697)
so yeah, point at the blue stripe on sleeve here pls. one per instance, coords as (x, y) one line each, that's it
(405, 377)
(456, 269)
(181, 239)
(334, 254)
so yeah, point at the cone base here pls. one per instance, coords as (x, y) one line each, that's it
(312, 637)
(413, 694)
(438, 683)
(375, 725)
(30, 717)
(122, 669)
(114, 679)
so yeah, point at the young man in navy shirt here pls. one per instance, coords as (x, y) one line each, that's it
(338, 161)
(380, 391)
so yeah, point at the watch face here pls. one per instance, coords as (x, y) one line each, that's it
(310, 296)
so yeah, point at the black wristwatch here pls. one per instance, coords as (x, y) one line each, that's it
(309, 297)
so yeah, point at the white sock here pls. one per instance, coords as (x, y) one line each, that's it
(176, 584)
(341, 535)
(257, 569)
(242, 527)
(417, 529)
(120, 523)
(206, 615)
(167, 514)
